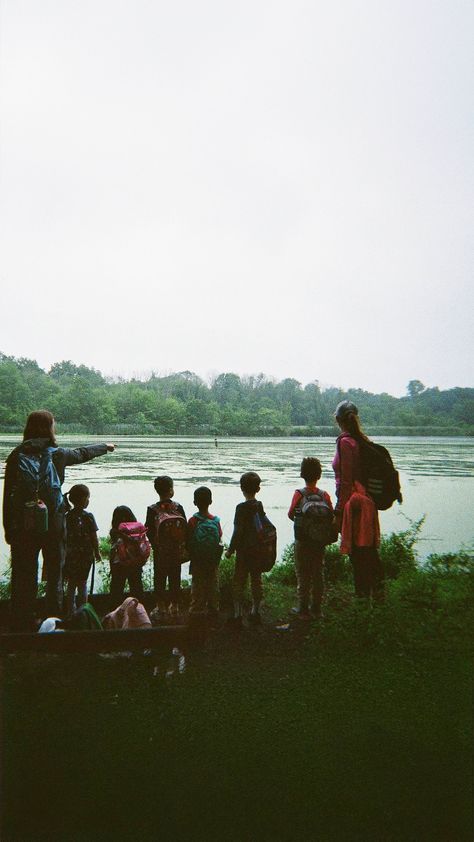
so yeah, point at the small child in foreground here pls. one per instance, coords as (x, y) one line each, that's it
(309, 550)
(205, 550)
(243, 541)
(167, 530)
(82, 547)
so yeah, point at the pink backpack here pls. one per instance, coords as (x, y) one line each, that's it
(133, 547)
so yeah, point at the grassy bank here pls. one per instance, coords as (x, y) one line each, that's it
(358, 728)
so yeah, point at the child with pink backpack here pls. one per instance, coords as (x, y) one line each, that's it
(127, 558)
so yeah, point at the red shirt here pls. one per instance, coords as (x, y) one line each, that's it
(311, 488)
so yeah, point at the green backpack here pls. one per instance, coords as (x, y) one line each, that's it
(205, 542)
(85, 619)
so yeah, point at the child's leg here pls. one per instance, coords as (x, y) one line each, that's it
(317, 577)
(303, 574)
(174, 577)
(70, 595)
(81, 598)
(135, 583)
(238, 584)
(257, 589)
(213, 589)
(198, 590)
(159, 579)
(117, 585)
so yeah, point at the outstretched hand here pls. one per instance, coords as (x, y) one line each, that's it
(110, 447)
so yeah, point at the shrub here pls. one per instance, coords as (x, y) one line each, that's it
(397, 550)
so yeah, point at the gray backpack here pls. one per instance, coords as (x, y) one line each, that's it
(314, 519)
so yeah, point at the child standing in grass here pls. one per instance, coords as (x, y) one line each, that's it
(205, 550)
(309, 551)
(243, 541)
(82, 547)
(119, 575)
(167, 529)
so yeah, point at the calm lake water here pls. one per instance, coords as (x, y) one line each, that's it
(437, 477)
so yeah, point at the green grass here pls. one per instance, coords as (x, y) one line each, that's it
(356, 729)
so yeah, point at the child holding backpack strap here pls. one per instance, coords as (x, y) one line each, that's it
(205, 550)
(167, 530)
(82, 547)
(312, 513)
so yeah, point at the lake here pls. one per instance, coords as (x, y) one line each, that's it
(437, 477)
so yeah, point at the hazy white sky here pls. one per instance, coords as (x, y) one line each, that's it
(264, 186)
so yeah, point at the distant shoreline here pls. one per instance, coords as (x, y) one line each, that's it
(310, 432)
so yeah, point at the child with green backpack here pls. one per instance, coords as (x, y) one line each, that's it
(205, 550)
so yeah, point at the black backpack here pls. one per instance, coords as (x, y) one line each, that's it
(377, 474)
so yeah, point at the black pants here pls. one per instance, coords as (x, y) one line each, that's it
(25, 550)
(368, 572)
(118, 579)
(166, 568)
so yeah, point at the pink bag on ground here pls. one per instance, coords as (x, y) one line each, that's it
(131, 614)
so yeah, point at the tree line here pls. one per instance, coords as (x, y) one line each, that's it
(82, 399)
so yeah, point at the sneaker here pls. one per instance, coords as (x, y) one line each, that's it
(301, 613)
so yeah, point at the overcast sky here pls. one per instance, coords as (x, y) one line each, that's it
(270, 186)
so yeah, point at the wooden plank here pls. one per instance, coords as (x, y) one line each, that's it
(129, 640)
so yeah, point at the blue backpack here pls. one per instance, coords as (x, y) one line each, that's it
(205, 542)
(37, 480)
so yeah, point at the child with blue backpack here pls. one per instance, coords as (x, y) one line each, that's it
(205, 550)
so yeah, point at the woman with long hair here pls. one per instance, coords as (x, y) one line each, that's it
(34, 514)
(356, 514)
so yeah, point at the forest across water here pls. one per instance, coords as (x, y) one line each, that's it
(84, 400)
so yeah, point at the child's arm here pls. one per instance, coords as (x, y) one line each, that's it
(95, 538)
(95, 544)
(296, 499)
(237, 534)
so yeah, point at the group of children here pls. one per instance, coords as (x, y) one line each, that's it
(173, 540)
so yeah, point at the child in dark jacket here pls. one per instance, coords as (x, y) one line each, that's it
(309, 555)
(205, 550)
(119, 575)
(243, 541)
(166, 524)
(82, 546)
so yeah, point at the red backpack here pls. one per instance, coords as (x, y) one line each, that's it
(171, 532)
(133, 547)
